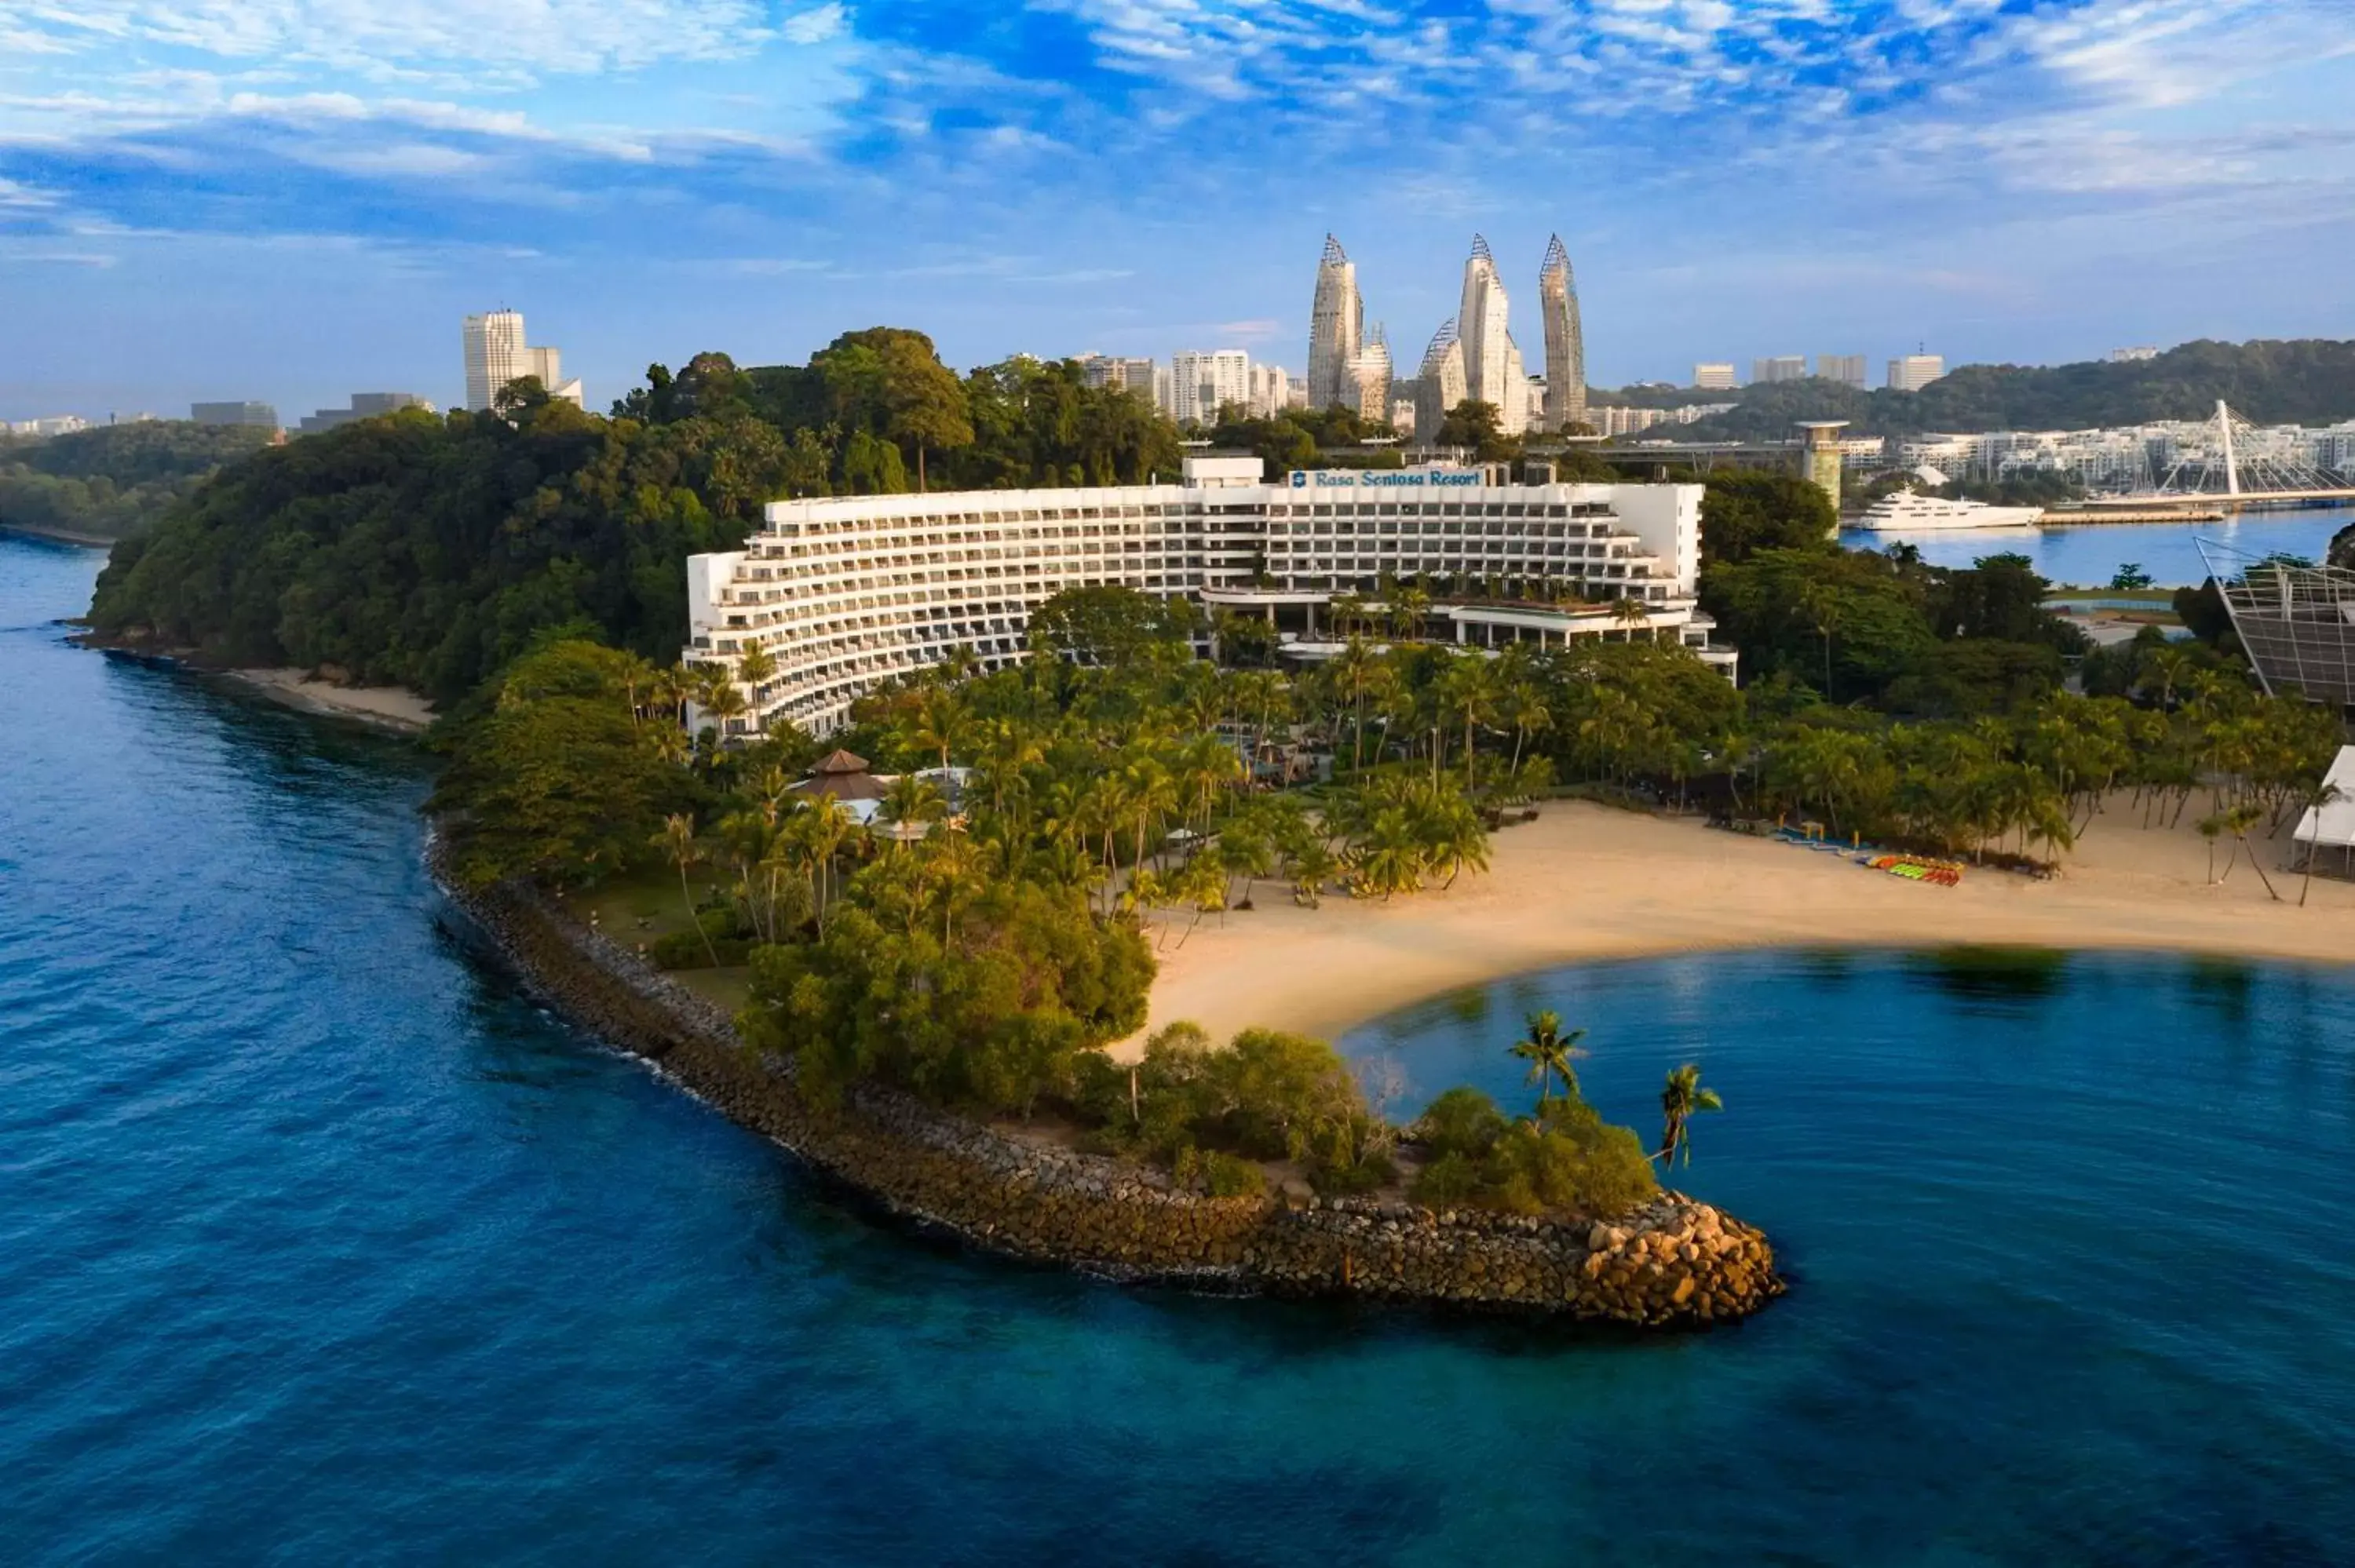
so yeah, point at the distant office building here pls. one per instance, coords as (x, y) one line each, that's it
(498, 354)
(1203, 382)
(1715, 377)
(55, 425)
(1403, 413)
(1369, 376)
(1109, 370)
(1272, 386)
(1782, 367)
(2129, 355)
(257, 414)
(1912, 372)
(1565, 339)
(364, 406)
(1848, 369)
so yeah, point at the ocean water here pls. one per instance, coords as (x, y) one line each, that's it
(2090, 556)
(321, 1243)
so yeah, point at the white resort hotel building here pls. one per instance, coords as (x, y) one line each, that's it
(849, 591)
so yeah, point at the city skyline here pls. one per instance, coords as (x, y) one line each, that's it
(286, 207)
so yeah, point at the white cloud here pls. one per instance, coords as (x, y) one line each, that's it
(366, 37)
(818, 25)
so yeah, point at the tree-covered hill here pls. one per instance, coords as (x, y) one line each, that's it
(427, 551)
(111, 482)
(2303, 381)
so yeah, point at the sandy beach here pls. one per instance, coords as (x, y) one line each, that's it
(1587, 882)
(395, 708)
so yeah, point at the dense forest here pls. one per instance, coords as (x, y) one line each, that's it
(429, 550)
(112, 481)
(2301, 381)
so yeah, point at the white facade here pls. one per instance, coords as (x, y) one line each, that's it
(1717, 376)
(55, 425)
(1565, 339)
(1336, 326)
(1201, 382)
(1271, 390)
(1440, 385)
(1481, 326)
(1125, 374)
(1369, 384)
(848, 591)
(1912, 372)
(1848, 369)
(496, 354)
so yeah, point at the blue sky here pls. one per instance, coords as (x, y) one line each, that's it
(293, 199)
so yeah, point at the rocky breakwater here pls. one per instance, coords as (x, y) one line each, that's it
(1675, 1262)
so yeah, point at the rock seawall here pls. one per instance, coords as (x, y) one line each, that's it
(1675, 1262)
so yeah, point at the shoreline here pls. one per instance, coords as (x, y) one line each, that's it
(1671, 1263)
(60, 536)
(1591, 883)
(394, 708)
(389, 708)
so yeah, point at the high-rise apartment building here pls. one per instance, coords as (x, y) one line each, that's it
(1848, 369)
(1337, 324)
(1108, 370)
(1481, 326)
(1716, 375)
(257, 414)
(1369, 376)
(1271, 390)
(1912, 372)
(1202, 382)
(1565, 339)
(497, 355)
(1782, 367)
(1440, 385)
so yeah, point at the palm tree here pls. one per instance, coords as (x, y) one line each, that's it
(678, 837)
(2238, 821)
(939, 723)
(756, 669)
(1630, 613)
(1413, 606)
(1550, 1052)
(912, 799)
(820, 832)
(1469, 687)
(1352, 666)
(1681, 1097)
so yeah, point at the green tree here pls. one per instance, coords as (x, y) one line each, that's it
(1680, 1099)
(1550, 1052)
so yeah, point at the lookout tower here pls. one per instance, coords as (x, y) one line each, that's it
(1819, 457)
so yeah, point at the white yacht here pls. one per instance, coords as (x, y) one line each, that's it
(1909, 512)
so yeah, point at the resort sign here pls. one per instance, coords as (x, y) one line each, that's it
(1382, 478)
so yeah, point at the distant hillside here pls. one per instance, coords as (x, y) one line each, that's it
(115, 480)
(2308, 381)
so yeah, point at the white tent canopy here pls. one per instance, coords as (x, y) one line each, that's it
(2331, 825)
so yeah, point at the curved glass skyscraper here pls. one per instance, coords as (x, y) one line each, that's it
(1565, 342)
(1335, 330)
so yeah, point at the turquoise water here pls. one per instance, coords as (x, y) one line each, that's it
(2090, 556)
(319, 1244)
